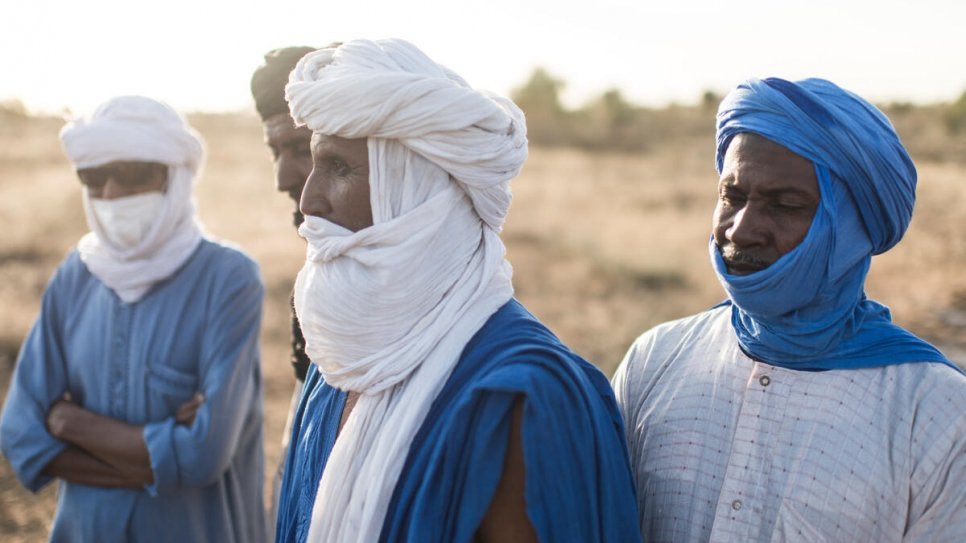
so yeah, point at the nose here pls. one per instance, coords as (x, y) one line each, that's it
(313, 201)
(748, 228)
(290, 174)
(110, 190)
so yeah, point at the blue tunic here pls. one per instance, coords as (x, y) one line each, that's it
(195, 331)
(578, 483)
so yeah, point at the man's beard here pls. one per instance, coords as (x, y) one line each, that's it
(298, 218)
(745, 262)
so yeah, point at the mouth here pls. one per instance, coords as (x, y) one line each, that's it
(742, 268)
(741, 263)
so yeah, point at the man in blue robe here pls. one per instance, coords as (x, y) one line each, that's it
(292, 159)
(438, 408)
(797, 410)
(139, 385)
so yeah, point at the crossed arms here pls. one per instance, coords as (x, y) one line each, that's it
(104, 451)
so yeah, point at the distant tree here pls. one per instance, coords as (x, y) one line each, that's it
(617, 111)
(608, 122)
(12, 108)
(541, 93)
(710, 100)
(539, 98)
(955, 116)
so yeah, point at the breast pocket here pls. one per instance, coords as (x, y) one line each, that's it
(168, 388)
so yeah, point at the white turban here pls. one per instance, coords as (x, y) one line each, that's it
(390, 89)
(387, 310)
(136, 128)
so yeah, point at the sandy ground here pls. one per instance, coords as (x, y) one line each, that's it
(603, 247)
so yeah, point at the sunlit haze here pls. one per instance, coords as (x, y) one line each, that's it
(199, 55)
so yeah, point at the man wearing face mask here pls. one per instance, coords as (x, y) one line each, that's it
(138, 386)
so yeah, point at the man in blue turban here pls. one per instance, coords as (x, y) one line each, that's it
(796, 410)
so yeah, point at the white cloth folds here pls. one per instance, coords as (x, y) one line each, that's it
(128, 219)
(390, 89)
(386, 311)
(136, 128)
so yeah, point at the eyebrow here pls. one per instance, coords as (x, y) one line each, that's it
(780, 191)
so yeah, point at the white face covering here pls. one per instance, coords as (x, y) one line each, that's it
(137, 241)
(387, 310)
(127, 220)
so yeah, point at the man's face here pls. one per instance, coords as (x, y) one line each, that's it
(123, 178)
(291, 153)
(767, 197)
(338, 186)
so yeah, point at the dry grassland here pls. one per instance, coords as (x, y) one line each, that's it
(603, 247)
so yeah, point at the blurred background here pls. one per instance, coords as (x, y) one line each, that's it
(611, 215)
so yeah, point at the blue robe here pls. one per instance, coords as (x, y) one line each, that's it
(195, 331)
(578, 482)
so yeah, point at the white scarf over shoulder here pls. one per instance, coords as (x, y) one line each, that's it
(136, 128)
(386, 311)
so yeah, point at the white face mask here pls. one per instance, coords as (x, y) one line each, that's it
(126, 221)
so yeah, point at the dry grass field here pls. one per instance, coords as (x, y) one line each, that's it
(603, 247)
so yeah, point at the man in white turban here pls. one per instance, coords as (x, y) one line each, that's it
(438, 409)
(138, 387)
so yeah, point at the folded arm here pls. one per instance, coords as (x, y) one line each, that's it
(104, 448)
(77, 466)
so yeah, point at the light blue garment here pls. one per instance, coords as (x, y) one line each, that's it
(808, 310)
(578, 482)
(196, 331)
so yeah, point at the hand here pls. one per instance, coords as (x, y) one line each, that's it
(187, 411)
(60, 415)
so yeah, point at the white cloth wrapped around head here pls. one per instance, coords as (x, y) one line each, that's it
(387, 310)
(133, 128)
(137, 128)
(390, 89)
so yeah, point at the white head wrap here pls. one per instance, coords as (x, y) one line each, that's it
(387, 310)
(135, 128)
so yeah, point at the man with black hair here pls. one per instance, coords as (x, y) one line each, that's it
(290, 150)
(293, 162)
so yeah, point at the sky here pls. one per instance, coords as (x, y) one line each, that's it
(67, 56)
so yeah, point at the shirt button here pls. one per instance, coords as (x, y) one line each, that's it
(736, 505)
(764, 380)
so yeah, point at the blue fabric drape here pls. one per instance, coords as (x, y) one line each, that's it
(578, 486)
(808, 310)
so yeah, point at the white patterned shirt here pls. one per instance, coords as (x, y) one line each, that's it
(725, 448)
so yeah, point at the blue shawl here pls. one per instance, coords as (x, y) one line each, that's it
(808, 310)
(578, 480)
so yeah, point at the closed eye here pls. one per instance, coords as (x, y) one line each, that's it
(339, 168)
(731, 196)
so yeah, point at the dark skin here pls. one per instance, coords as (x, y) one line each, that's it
(105, 451)
(337, 189)
(767, 198)
(291, 154)
(112, 188)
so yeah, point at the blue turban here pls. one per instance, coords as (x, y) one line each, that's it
(808, 310)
